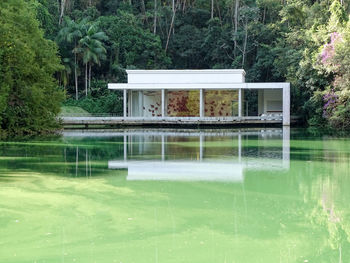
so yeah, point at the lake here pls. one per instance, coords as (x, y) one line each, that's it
(250, 195)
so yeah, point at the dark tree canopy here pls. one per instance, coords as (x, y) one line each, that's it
(98, 40)
(30, 97)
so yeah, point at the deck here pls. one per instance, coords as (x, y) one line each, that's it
(172, 121)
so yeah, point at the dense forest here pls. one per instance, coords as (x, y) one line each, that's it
(52, 48)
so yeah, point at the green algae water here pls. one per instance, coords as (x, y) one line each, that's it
(271, 195)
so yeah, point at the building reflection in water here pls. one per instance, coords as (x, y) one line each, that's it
(201, 155)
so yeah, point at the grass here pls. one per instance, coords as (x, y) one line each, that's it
(71, 111)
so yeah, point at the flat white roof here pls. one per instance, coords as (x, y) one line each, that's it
(197, 86)
(185, 71)
(188, 76)
(190, 79)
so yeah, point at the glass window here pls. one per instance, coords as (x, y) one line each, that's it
(184, 103)
(221, 103)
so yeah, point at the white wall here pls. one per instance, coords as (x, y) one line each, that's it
(149, 99)
(260, 102)
(270, 100)
(135, 105)
(273, 100)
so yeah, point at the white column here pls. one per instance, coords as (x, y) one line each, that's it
(140, 104)
(239, 102)
(242, 104)
(129, 103)
(124, 103)
(163, 103)
(286, 105)
(201, 103)
(260, 102)
(132, 113)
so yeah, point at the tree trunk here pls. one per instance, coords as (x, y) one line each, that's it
(212, 9)
(219, 12)
(173, 8)
(245, 42)
(76, 76)
(90, 77)
(171, 27)
(143, 10)
(264, 15)
(232, 14)
(63, 6)
(86, 79)
(165, 26)
(155, 18)
(236, 24)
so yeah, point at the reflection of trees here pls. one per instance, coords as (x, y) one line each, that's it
(76, 157)
(182, 148)
(302, 213)
(332, 211)
(334, 226)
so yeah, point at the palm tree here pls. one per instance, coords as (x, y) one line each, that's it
(72, 32)
(66, 71)
(92, 50)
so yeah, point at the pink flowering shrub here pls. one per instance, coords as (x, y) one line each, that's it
(336, 106)
(328, 51)
(331, 101)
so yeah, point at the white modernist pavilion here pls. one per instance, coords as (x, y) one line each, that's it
(201, 95)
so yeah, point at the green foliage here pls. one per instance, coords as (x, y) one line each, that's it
(314, 108)
(110, 104)
(100, 100)
(338, 16)
(30, 98)
(272, 40)
(48, 21)
(333, 64)
(70, 111)
(131, 45)
(85, 40)
(91, 46)
(341, 117)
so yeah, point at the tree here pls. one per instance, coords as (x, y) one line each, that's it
(30, 97)
(334, 60)
(273, 40)
(130, 46)
(92, 50)
(71, 33)
(65, 73)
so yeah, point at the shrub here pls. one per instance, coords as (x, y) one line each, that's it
(100, 100)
